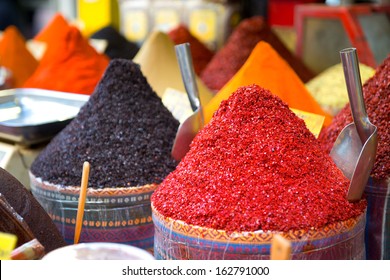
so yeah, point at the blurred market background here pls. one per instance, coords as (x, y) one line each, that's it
(313, 32)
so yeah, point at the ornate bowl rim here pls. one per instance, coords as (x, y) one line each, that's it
(37, 182)
(194, 231)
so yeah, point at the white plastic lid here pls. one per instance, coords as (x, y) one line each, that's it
(99, 251)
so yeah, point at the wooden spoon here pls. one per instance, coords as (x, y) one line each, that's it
(82, 197)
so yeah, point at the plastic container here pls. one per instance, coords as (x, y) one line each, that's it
(177, 240)
(117, 215)
(378, 220)
(98, 251)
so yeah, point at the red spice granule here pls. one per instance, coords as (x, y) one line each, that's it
(201, 55)
(232, 56)
(256, 166)
(376, 92)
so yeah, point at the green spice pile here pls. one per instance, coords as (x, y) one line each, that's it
(256, 166)
(329, 88)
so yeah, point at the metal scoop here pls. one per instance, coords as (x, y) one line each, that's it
(354, 150)
(190, 127)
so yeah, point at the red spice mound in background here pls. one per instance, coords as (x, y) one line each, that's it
(201, 55)
(15, 56)
(256, 166)
(229, 59)
(54, 30)
(70, 63)
(376, 92)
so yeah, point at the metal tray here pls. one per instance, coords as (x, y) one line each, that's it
(29, 116)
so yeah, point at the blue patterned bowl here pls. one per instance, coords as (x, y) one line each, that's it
(177, 240)
(118, 215)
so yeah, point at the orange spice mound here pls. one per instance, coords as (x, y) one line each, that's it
(15, 56)
(70, 63)
(265, 67)
(55, 30)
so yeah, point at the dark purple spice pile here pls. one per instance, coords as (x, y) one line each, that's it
(376, 92)
(256, 166)
(117, 45)
(124, 132)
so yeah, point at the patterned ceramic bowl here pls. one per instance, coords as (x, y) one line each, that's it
(118, 215)
(175, 239)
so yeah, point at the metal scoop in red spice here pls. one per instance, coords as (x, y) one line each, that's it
(355, 148)
(190, 127)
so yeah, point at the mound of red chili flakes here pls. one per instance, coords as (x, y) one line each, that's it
(376, 92)
(255, 166)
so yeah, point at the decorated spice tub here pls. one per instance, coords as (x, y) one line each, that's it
(120, 215)
(177, 240)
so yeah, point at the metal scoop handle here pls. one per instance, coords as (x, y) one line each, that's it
(183, 54)
(350, 64)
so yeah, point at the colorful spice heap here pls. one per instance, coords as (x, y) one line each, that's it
(201, 55)
(158, 62)
(329, 88)
(55, 30)
(376, 92)
(255, 166)
(228, 60)
(27, 207)
(15, 56)
(124, 131)
(266, 68)
(69, 63)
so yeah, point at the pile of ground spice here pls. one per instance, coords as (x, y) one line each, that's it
(70, 63)
(201, 54)
(229, 59)
(124, 131)
(376, 92)
(266, 68)
(117, 45)
(25, 204)
(256, 166)
(54, 30)
(15, 56)
(330, 90)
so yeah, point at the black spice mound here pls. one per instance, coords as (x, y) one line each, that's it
(124, 132)
(118, 46)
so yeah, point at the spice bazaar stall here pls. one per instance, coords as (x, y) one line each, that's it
(257, 170)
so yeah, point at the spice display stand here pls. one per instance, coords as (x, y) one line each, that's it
(320, 26)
